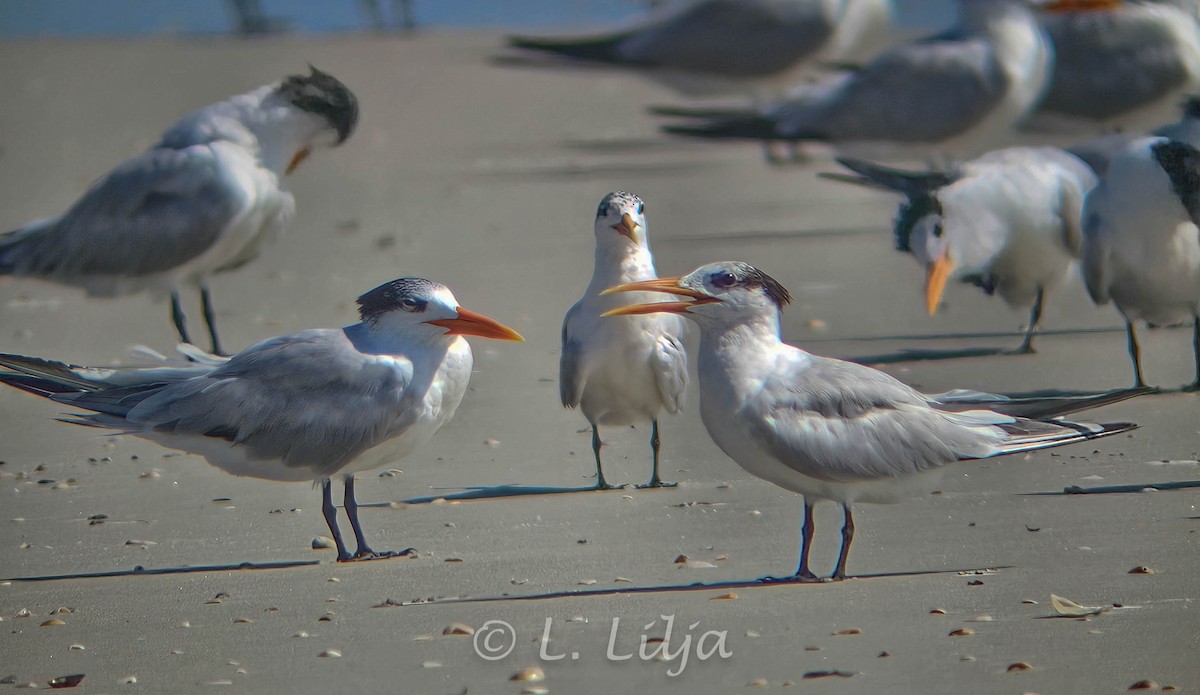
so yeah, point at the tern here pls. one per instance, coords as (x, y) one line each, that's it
(201, 201)
(621, 372)
(1008, 221)
(828, 429)
(305, 406)
(1141, 245)
(723, 46)
(1117, 64)
(948, 93)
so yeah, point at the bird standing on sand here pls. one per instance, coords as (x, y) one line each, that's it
(301, 407)
(730, 46)
(1008, 221)
(621, 372)
(1141, 243)
(829, 429)
(952, 93)
(201, 201)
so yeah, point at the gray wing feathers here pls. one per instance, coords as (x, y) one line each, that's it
(670, 371)
(570, 366)
(151, 214)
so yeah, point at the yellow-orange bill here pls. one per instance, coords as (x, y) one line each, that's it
(627, 227)
(935, 282)
(297, 159)
(471, 323)
(650, 308)
(668, 285)
(1060, 6)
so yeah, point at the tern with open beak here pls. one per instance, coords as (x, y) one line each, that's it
(199, 202)
(834, 430)
(625, 371)
(301, 407)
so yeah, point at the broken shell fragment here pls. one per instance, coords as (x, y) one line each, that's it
(962, 632)
(1018, 666)
(458, 629)
(532, 674)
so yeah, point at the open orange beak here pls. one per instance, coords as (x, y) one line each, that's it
(1061, 6)
(297, 160)
(935, 281)
(666, 285)
(627, 227)
(470, 323)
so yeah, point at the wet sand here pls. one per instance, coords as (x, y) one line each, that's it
(486, 179)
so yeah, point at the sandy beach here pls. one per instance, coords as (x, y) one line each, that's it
(486, 178)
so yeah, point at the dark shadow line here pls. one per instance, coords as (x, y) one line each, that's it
(140, 571)
(963, 336)
(485, 492)
(910, 355)
(592, 170)
(771, 236)
(1111, 489)
(669, 588)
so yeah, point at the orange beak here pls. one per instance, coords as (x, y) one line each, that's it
(666, 285)
(1061, 6)
(935, 282)
(297, 159)
(470, 323)
(627, 227)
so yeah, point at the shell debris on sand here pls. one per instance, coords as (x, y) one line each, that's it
(458, 629)
(532, 674)
(331, 653)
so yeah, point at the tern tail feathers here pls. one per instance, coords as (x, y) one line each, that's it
(899, 180)
(750, 127)
(1035, 438)
(1032, 407)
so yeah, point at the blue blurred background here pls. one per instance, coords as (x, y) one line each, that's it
(87, 18)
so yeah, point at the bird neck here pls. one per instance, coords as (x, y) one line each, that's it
(414, 342)
(260, 121)
(740, 349)
(617, 264)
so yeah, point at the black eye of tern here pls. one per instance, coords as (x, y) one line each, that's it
(724, 280)
(938, 231)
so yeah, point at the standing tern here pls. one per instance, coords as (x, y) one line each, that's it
(723, 46)
(201, 201)
(827, 429)
(621, 372)
(953, 92)
(304, 406)
(1117, 64)
(1141, 245)
(1008, 222)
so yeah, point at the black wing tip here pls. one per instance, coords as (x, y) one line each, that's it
(594, 49)
(750, 128)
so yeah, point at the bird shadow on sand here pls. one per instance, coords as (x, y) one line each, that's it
(695, 586)
(1116, 489)
(919, 355)
(140, 571)
(487, 492)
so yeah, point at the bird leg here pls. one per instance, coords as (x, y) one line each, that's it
(364, 551)
(847, 538)
(1035, 317)
(210, 317)
(803, 573)
(1195, 385)
(178, 318)
(601, 483)
(655, 481)
(1135, 354)
(330, 513)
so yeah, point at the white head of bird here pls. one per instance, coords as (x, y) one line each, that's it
(425, 311)
(620, 224)
(930, 246)
(724, 294)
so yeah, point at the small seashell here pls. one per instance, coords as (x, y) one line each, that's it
(323, 543)
(535, 690)
(176, 652)
(1018, 666)
(966, 657)
(492, 442)
(76, 648)
(299, 634)
(431, 664)
(129, 680)
(223, 681)
(623, 580)
(242, 621)
(60, 486)
(23, 613)
(140, 543)
(390, 473)
(699, 565)
(680, 559)
(453, 559)
(962, 632)
(813, 649)
(826, 674)
(1141, 569)
(532, 674)
(62, 610)
(753, 633)
(724, 597)
(331, 653)
(577, 619)
(458, 629)
(586, 582)
(849, 631)
(150, 474)
(271, 609)
(884, 655)
(25, 546)
(1029, 602)
(52, 622)
(981, 619)
(66, 681)
(975, 582)
(938, 611)
(1145, 685)
(757, 683)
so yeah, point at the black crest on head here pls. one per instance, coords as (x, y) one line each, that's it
(1181, 162)
(324, 95)
(390, 296)
(915, 207)
(617, 197)
(750, 276)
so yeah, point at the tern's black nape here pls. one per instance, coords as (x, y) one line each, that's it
(324, 95)
(408, 294)
(916, 207)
